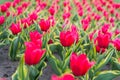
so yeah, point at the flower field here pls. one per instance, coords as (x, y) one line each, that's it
(76, 38)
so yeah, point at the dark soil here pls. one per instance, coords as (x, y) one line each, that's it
(8, 67)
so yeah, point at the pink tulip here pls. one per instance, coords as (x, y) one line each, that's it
(33, 53)
(103, 40)
(3, 8)
(2, 20)
(15, 28)
(63, 77)
(44, 24)
(67, 38)
(116, 43)
(80, 64)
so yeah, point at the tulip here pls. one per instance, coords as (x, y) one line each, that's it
(36, 38)
(26, 22)
(80, 64)
(19, 10)
(35, 35)
(98, 49)
(66, 15)
(51, 10)
(67, 38)
(33, 53)
(15, 28)
(2, 20)
(33, 17)
(103, 40)
(63, 77)
(8, 4)
(105, 28)
(44, 24)
(116, 43)
(3, 8)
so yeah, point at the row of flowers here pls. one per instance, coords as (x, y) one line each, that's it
(76, 38)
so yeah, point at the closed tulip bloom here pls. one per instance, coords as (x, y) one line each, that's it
(44, 24)
(3, 8)
(33, 16)
(35, 35)
(15, 28)
(63, 77)
(103, 40)
(116, 43)
(2, 20)
(66, 38)
(80, 64)
(36, 38)
(33, 54)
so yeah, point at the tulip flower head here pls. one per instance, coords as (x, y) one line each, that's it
(2, 20)
(63, 77)
(80, 64)
(116, 43)
(15, 28)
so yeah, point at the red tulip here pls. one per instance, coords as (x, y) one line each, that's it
(117, 31)
(3, 8)
(67, 38)
(8, 4)
(66, 15)
(33, 53)
(105, 28)
(63, 77)
(2, 20)
(98, 49)
(26, 22)
(15, 28)
(103, 40)
(80, 64)
(19, 10)
(116, 43)
(33, 16)
(35, 35)
(51, 10)
(44, 24)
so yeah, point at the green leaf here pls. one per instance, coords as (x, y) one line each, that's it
(56, 47)
(14, 48)
(115, 64)
(33, 73)
(21, 71)
(54, 64)
(107, 75)
(104, 60)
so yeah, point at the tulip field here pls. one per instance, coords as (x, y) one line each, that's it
(76, 39)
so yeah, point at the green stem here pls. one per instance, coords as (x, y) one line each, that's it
(27, 76)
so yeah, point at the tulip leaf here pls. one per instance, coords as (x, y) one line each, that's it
(107, 75)
(104, 60)
(21, 71)
(54, 64)
(33, 73)
(14, 48)
(56, 47)
(116, 64)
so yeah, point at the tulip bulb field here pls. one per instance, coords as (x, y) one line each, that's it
(73, 39)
